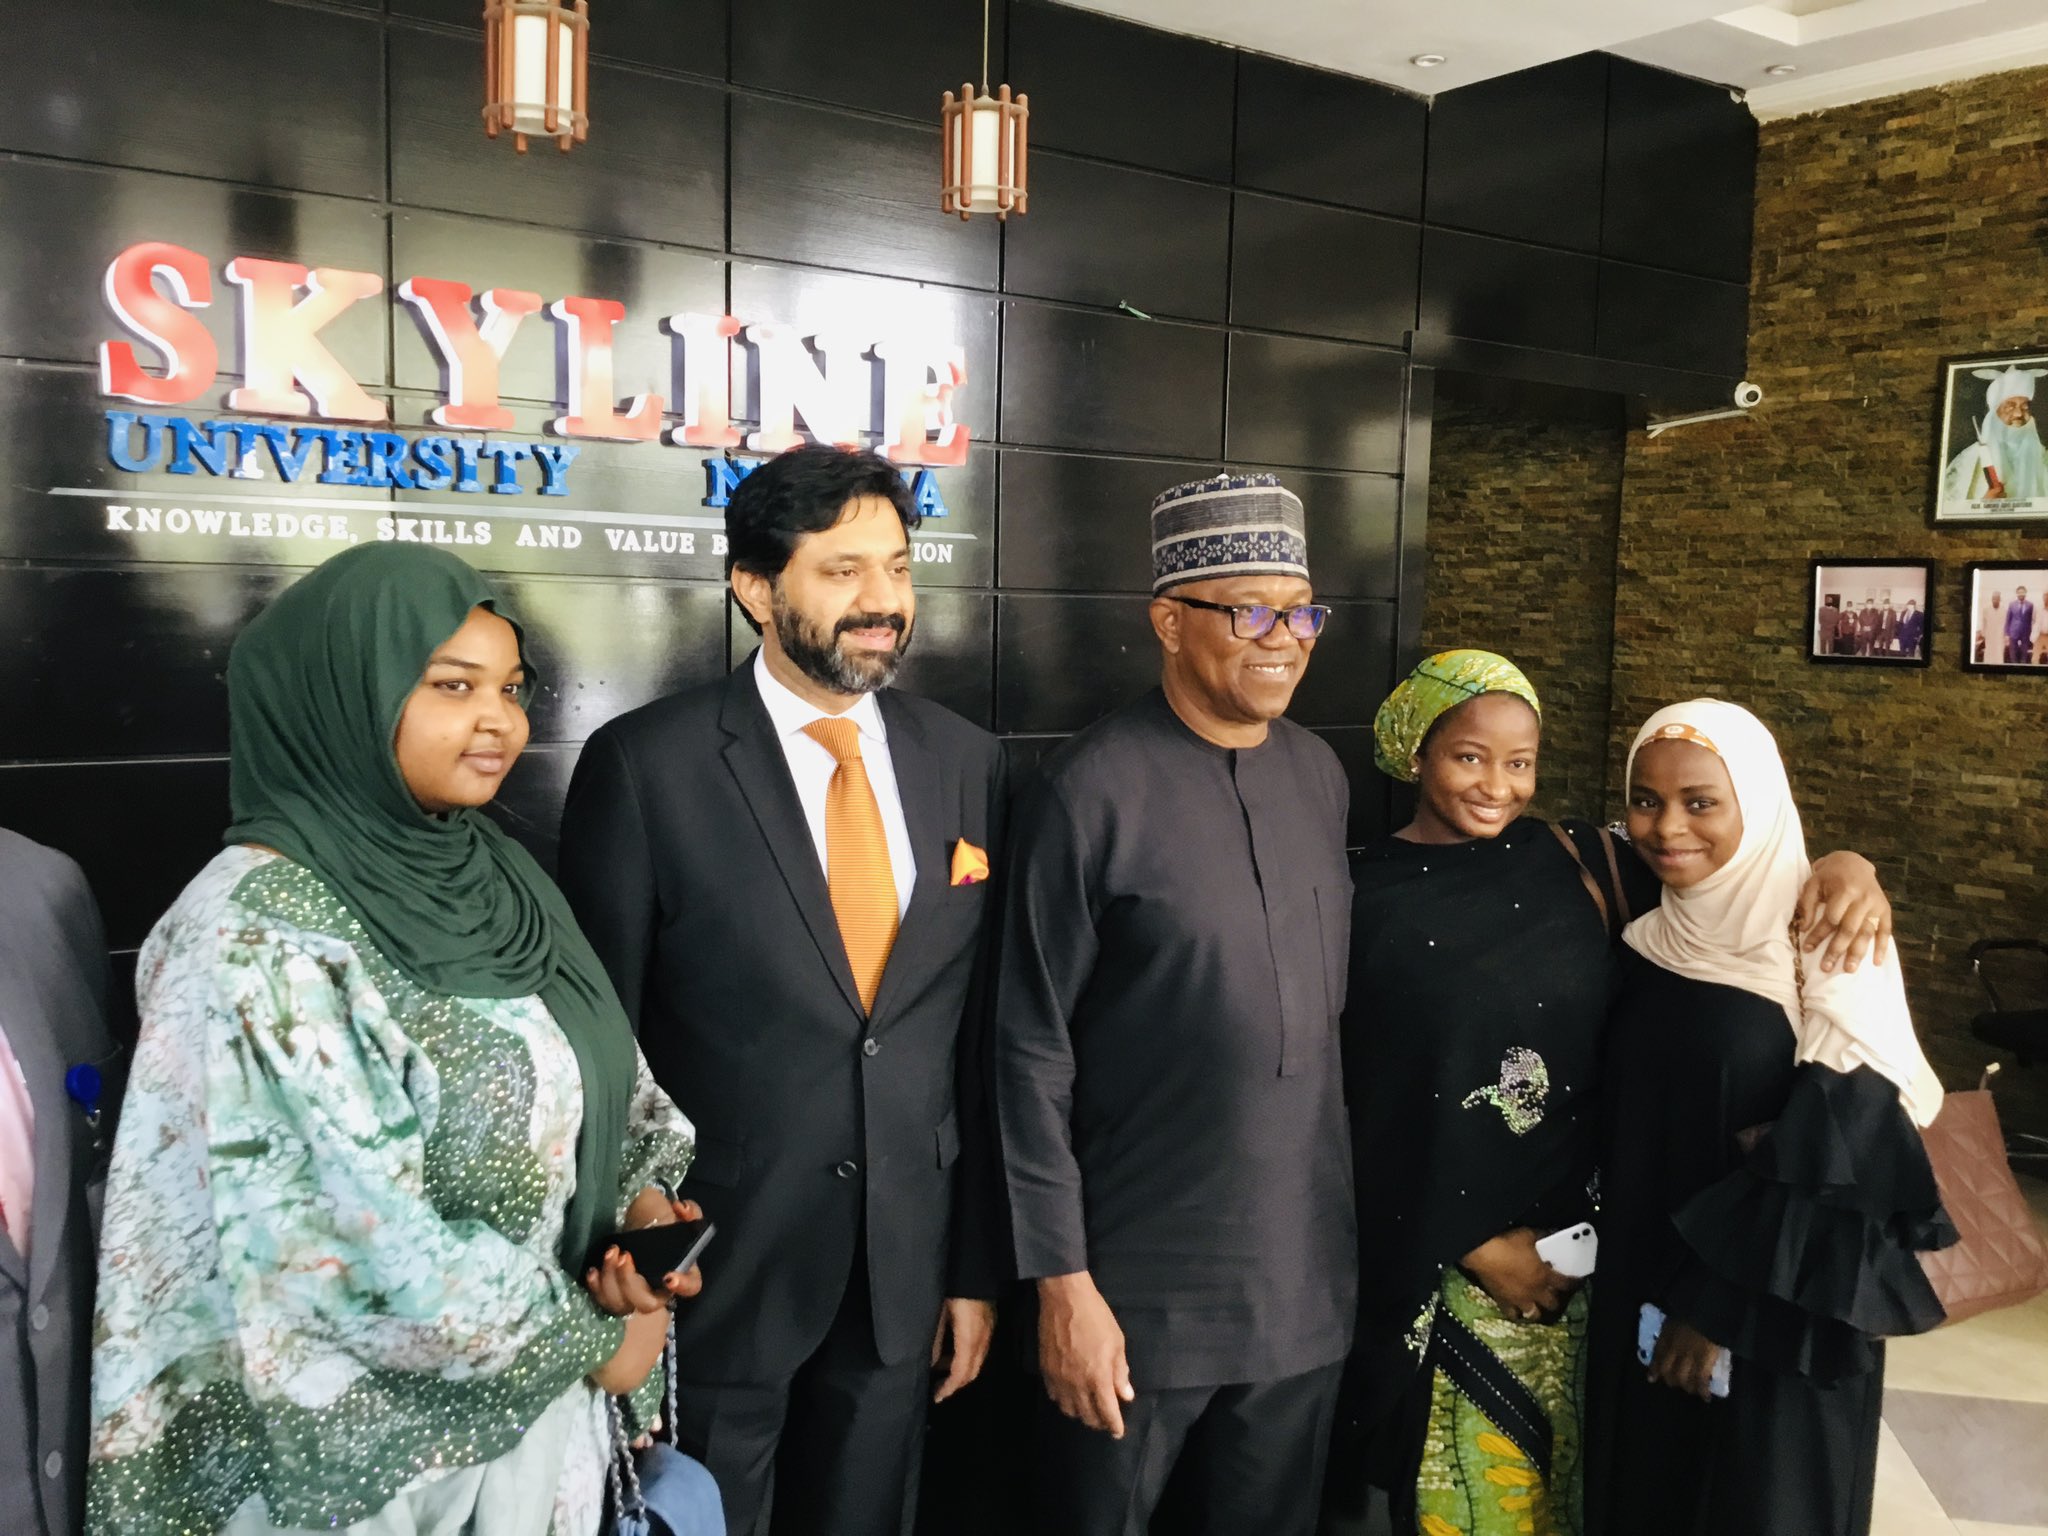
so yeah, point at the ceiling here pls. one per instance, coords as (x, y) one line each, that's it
(1839, 50)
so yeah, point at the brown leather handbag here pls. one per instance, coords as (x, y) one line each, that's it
(2000, 1260)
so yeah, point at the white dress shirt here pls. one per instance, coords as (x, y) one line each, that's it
(812, 767)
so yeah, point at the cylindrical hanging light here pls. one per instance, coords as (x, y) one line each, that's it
(984, 140)
(537, 70)
(982, 143)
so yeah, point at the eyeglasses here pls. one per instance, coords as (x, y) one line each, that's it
(1254, 621)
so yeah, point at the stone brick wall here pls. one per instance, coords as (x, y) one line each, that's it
(1889, 234)
(1524, 497)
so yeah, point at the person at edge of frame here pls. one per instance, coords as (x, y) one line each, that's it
(60, 1085)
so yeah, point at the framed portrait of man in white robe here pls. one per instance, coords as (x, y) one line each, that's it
(1991, 460)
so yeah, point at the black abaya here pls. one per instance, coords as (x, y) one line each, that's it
(1481, 974)
(1776, 1208)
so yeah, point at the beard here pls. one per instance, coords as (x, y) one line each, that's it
(2019, 455)
(820, 657)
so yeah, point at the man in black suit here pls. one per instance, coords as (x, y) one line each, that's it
(785, 873)
(59, 1088)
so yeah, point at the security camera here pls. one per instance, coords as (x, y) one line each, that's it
(1748, 396)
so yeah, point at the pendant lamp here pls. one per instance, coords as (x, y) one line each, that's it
(537, 71)
(982, 138)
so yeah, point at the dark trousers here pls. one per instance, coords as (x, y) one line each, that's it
(833, 1449)
(1210, 1461)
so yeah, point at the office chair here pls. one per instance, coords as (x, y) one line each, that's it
(2023, 1030)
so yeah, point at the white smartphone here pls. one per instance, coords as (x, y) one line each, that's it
(1652, 1324)
(1570, 1250)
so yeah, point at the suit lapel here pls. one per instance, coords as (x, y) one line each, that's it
(917, 786)
(756, 760)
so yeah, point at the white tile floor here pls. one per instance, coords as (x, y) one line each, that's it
(1996, 1367)
(1906, 1506)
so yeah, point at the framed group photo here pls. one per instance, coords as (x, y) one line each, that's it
(1991, 463)
(1870, 613)
(2006, 627)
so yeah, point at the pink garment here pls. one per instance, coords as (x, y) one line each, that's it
(17, 1148)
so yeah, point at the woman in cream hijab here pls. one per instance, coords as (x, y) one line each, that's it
(1765, 1187)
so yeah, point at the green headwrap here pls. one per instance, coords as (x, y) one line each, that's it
(1432, 690)
(316, 685)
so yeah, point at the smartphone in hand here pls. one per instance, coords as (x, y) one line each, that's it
(1570, 1250)
(672, 1248)
(1651, 1325)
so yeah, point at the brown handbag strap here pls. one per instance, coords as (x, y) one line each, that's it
(1614, 875)
(1586, 875)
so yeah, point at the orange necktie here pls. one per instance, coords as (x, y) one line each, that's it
(857, 868)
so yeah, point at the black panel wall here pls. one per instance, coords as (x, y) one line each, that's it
(1223, 263)
(1592, 207)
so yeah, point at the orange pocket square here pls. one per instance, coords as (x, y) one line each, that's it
(970, 864)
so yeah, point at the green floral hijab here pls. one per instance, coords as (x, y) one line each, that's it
(316, 685)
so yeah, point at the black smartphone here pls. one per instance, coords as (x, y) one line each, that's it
(672, 1248)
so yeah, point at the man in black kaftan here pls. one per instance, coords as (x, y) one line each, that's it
(1168, 1080)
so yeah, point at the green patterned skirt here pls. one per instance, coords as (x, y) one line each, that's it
(1476, 1479)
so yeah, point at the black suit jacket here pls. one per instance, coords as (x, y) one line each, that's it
(686, 856)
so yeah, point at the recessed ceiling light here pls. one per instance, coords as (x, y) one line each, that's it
(1428, 60)
(1782, 69)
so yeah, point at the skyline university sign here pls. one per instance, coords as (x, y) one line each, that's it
(341, 470)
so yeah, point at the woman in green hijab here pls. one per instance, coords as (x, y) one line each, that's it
(383, 1106)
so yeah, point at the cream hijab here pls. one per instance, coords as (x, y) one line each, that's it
(1734, 927)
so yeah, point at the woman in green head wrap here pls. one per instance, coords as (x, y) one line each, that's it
(383, 1105)
(1479, 983)
(1496, 690)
